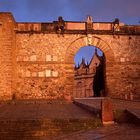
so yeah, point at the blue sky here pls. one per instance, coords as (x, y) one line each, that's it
(128, 11)
(87, 53)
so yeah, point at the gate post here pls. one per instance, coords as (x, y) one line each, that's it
(107, 111)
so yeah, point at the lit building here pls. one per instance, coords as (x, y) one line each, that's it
(85, 76)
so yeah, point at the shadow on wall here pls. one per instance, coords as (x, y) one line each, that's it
(99, 79)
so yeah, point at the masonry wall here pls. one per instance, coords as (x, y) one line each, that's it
(41, 65)
(7, 44)
(126, 70)
(123, 67)
(42, 68)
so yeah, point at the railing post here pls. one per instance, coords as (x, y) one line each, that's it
(107, 111)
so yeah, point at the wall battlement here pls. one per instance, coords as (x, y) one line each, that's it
(100, 27)
(96, 27)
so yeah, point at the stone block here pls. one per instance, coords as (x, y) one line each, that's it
(28, 74)
(55, 73)
(41, 74)
(48, 57)
(48, 73)
(107, 111)
(33, 58)
(34, 74)
(54, 58)
(122, 59)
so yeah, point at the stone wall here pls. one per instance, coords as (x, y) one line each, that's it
(122, 63)
(126, 70)
(83, 87)
(41, 64)
(7, 55)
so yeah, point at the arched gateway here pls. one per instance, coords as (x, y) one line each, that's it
(90, 40)
(37, 59)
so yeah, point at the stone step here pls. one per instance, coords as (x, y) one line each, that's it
(92, 104)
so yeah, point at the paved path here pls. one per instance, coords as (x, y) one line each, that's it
(42, 109)
(131, 106)
(117, 132)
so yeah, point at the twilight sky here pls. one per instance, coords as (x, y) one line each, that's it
(86, 53)
(128, 11)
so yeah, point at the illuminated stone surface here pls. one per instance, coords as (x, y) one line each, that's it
(107, 111)
(20, 41)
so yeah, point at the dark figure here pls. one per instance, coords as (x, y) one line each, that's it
(115, 24)
(60, 25)
(99, 82)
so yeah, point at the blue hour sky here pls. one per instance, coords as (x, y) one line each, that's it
(87, 53)
(128, 11)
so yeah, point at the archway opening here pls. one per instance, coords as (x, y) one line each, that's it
(89, 72)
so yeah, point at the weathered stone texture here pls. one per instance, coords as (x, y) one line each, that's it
(41, 64)
(122, 74)
(7, 36)
(126, 70)
(107, 112)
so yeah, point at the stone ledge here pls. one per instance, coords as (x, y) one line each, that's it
(91, 109)
(103, 32)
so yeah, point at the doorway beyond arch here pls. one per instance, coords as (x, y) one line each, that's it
(89, 70)
(73, 49)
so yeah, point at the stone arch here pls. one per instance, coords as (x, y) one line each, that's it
(84, 41)
(73, 48)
